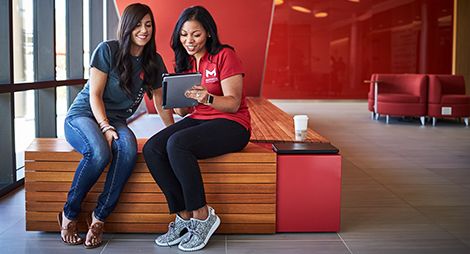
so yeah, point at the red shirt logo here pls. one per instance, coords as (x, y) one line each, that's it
(211, 74)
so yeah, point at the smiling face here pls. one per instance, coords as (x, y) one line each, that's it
(193, 36)
(141, 35)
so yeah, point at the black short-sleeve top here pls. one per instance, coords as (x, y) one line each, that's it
(118, 104)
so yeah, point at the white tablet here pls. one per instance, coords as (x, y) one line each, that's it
(174, 87)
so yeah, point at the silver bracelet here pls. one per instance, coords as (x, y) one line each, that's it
(107, 128)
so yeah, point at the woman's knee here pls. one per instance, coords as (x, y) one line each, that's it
(99, 155)
(126, 148)
(175, 143)
(152, 149)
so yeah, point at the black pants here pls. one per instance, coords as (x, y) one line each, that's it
(172, 154)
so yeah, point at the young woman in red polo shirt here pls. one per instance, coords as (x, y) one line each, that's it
(219, 124)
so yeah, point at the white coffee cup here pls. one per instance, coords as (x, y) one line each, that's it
(300, 126)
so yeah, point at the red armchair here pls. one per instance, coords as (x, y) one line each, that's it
(371, 95)
(400, 95)
(446, 97)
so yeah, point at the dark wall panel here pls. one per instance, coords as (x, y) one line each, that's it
(330, 57)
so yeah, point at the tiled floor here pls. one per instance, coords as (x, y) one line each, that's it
(406, 189)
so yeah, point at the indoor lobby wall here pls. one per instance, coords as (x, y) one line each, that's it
(329, 57)
(311, 57)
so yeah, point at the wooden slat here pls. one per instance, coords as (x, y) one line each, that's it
(156, 217)
(159, 198)
(45, 149)
(152, 207)
(147, 178)
(66, 166)
(153, 188)
(232, 228)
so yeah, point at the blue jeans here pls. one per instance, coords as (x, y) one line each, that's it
(84, 134)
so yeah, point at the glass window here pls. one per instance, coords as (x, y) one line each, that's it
(61, 108)
(61, 64)
(86, 38)
(23, 41)
(25, 130)
(60, 40)
(23, 60)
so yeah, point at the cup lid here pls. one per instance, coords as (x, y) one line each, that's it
(300, 117)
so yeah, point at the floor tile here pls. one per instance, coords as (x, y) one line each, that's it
(433, 194)
(404, 246)
(129, 246)
(374, 195)
(406, 176)
(45, 246)
(286, 237)
(282, 247)
(455, 175)
(17, 231)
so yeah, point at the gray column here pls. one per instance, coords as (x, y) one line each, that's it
(44, 67)
(4, 42)
(112, 19)
(7, 144)
(74, 47)
(96, 23)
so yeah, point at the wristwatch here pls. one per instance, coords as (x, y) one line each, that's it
(209, 100)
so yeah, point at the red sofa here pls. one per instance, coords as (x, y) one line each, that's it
(446, 97)
(371, 95)
(399, 95)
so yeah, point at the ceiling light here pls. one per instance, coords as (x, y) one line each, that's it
(301, 9)
(354, 1)
(278, 2)
(321, 14)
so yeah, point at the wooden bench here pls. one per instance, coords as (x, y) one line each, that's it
(270, 124)
(240, 186)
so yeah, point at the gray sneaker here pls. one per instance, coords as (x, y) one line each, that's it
(176, 232)
(200, 231)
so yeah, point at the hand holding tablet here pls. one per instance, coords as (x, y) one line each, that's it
(178, 91)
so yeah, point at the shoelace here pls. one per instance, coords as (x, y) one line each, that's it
(192, 231)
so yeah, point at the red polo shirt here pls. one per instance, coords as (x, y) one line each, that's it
(214, 69)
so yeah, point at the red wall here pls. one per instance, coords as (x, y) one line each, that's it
(323, 58)
(244, 24)
(316, 58)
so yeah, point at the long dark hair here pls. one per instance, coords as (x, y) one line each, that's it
(213, 44)
(129, 20)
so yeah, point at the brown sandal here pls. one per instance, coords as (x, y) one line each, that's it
(96, 231)
(70, 230)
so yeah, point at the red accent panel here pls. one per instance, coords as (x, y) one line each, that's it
(244, 24)
(321, 58)
(308, 193)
